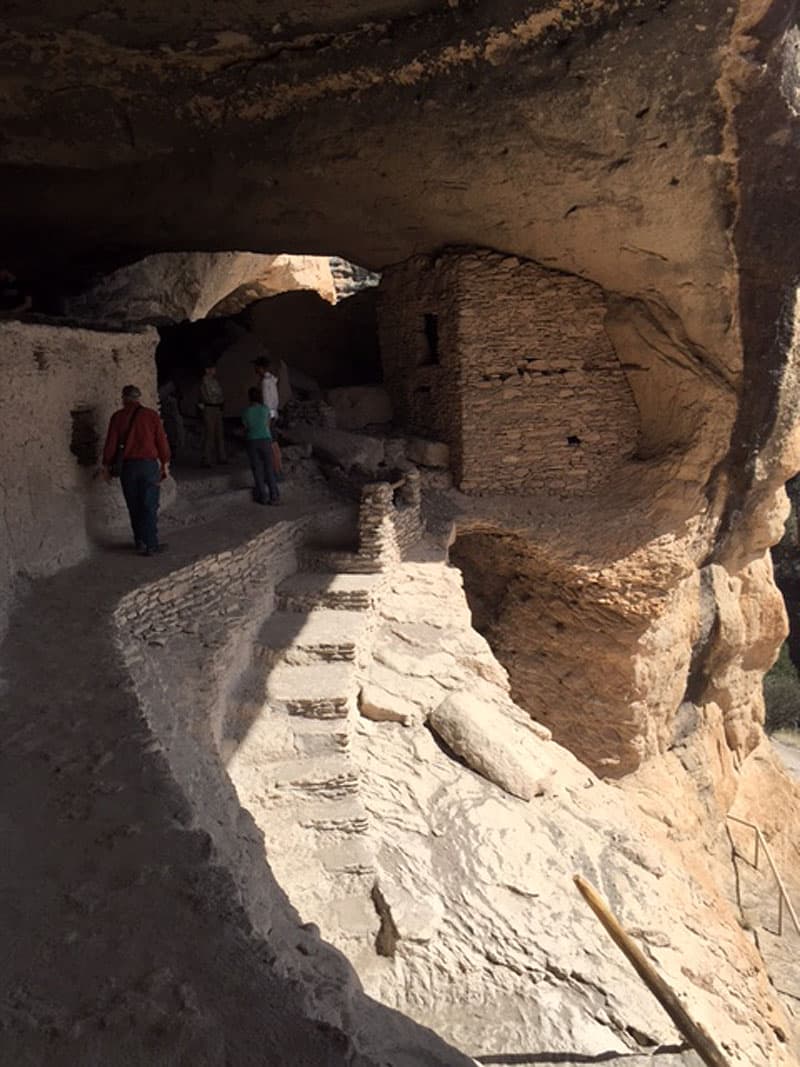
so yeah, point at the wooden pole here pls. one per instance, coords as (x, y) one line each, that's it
(706, 1048)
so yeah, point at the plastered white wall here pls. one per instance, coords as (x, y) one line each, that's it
(51, 508)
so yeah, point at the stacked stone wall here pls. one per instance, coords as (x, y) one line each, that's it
(212, 589)
(424, 386)
(526, 389)
(188, 640)
(389, 519)
(219, 588)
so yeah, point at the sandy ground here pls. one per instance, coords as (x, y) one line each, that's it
(787, 745)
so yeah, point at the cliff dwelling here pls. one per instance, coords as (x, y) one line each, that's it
(493, 308)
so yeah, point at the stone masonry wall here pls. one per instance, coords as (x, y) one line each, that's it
(60, 386)
(525, 385)
(389, 519)
(423, 386)
(204, 605)
(545, 403)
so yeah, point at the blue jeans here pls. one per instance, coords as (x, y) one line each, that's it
(260, 456)
(141, 487)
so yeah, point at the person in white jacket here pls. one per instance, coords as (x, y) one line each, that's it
(269, 385)
(271, 401)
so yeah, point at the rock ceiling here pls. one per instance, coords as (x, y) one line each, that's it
(648, 145)
(590, 136)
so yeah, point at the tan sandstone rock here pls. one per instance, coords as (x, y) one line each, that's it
(490, 743)
(382, 706)
(174, 286)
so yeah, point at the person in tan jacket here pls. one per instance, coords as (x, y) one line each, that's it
(211, 405)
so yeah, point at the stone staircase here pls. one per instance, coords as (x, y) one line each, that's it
(290, 760)
(300, 784)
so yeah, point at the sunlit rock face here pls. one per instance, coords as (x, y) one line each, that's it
(173, 287)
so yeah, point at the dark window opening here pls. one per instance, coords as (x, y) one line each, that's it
(573, 441)
(84, 441)
(431, 357)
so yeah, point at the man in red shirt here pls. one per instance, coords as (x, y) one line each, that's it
(139, 434)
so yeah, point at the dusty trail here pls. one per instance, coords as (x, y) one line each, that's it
(123, 942)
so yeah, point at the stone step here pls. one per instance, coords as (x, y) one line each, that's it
(305, 591)
(337, 561)
(301, 638)
(321, 737)
(347, 816)
(321, 691)
(330, 776)
(347, 856)
(353, 916)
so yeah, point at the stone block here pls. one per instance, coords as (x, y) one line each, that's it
(345, 449)
(381, 706)
(360, 405)
(428, 453)
(489, 742)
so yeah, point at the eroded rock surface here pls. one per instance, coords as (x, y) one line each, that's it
(452, 899)
(629, 163)
(174, 287)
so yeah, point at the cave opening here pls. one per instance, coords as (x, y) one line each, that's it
(313, 318)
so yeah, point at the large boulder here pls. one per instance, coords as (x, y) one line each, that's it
(428, 453)
(343, 449)
(358, 406)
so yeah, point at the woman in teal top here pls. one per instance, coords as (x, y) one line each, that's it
(255, 418)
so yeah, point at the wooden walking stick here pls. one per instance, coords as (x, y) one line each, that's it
(706, 1048)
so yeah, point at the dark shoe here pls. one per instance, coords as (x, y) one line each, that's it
(154, 551)
(274, 502)
(140, 546)
(263, 503)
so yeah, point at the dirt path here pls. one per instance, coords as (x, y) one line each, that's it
(790, 754)
(122, 942)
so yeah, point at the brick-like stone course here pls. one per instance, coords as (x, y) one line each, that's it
(214, 591)
(523, 384)
(389, 519)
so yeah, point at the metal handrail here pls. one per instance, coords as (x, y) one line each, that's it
(783, 896)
